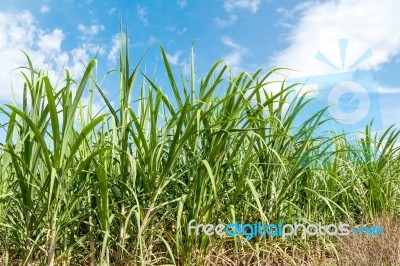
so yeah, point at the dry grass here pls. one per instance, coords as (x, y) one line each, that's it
(352, 250)
(367, 250)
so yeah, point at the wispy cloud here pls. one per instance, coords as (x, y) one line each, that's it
(251, 5)
(225, 23)
(174, 29)
(174, 59)
(112, 11)
(44, 9)
(235, 57)
(389, 90)
(183, 62)
(181, 3)
(143, 15)
(230, 43)
(152, 40)
(288, 17)
(113, 52)
(91, 30)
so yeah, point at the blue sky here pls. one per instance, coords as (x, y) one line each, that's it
(248, 34)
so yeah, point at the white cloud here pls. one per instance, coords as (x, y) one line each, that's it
(91, 30)
(174, 29)
(389, 106)
(230, 43)
(44, 9)
(52, 41)
(112, 11)
(78, 59)
(170, 28)
(98, 106)
(143, 15)
(174, 59)
(251, 5)
(288, 15)
(316, 26)
(388, 90)
(225, 23)
(182, 31)
(367, 24)
(184, 64)
(235, 57)
(21, 31)
(113, 53)
(181, 3)
(152, 40)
